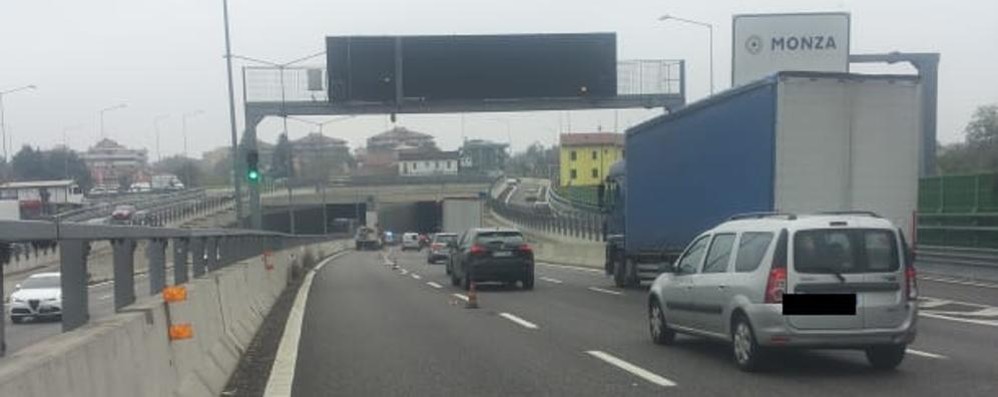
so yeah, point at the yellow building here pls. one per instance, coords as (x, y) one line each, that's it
(586, 158)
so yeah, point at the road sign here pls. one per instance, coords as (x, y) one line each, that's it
(763, 44)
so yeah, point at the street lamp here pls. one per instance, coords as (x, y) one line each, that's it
(155, 125)
(3, 124)
(187, 158)
(710, 39)
(65, 144)
(105, 110)
(322, 164)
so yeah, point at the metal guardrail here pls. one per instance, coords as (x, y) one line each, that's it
(206, 250)
(580, 225)
(103, 209)
(976, 257)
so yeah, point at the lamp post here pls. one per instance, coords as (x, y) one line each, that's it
(105, 110)
(322, 164)
(710, 39)
(65, 144)
(187, 158)
(3, 123)
(155, 125)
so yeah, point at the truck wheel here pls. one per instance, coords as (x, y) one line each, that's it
(885, 357)
(631, 278)
(618, 274)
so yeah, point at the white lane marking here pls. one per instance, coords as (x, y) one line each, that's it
(551, 280)
(404, 272)
(416, 276)
(930, 299)
(434, 285)
(992, 323)
(926, 354)
(958, 281)
(282, 374)
(605, 291)
(461, 297)
(515, 319)
(579, 268)
(932, 302)
(633, 369)
(104, 297)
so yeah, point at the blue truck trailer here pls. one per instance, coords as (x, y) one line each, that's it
(793, 142)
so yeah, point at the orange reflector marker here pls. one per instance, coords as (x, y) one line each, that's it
(181, 331)
(175, 293)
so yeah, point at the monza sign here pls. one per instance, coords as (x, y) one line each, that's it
(763, 44)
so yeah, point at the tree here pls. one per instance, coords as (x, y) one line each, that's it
(979, 151)
(279, 166)
(31, 164)
(536, 161)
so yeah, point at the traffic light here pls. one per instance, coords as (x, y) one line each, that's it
(252, 166)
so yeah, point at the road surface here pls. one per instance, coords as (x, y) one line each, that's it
(369, 329)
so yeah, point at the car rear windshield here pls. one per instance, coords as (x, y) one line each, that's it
(41, 282)
(506, 238)
(845, 251)
(445, 238)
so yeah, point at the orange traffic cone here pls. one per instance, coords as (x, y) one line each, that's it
(472, 297)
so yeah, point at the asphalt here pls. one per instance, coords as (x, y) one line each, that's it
(373, 330)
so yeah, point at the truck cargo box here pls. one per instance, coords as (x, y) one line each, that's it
(794, 142)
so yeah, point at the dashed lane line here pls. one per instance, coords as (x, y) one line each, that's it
(551, 280)
(926, 354)
(520, 321)
(461, 297)
(606, 291)
(633, 369)
(416, 276)
(578, 268)
(434, 285)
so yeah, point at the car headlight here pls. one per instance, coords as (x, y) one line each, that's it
(16, 299)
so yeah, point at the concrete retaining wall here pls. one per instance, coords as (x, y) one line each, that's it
(555, 248)
(129, 354)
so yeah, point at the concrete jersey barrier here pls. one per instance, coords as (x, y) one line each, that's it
(130, 354)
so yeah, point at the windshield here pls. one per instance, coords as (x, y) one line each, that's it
(845, 251)
(445, 238)
(506, 238)
(41, 282)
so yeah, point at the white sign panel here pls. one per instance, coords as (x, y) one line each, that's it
(768, 43)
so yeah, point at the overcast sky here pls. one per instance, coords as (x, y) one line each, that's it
(165, 58)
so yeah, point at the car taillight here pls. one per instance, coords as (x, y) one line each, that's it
(476, 250)
(910, 284)
(776, 285)
(436, 246)
(524, 248)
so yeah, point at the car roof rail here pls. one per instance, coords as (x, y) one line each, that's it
(858, 212)
(760, 215)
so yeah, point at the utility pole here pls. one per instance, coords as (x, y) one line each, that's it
(236, 175)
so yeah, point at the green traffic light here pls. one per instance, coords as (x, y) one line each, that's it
(253, 175)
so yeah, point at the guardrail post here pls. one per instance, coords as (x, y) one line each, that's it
(197, 255)
(212, 251)
(124, 273)
(180, 254)
(156, 253)
(73, 269)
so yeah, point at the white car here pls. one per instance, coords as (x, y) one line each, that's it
(410, 241)
(39, 296)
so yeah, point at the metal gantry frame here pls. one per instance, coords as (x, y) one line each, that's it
(256, 111)
(208, 250)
